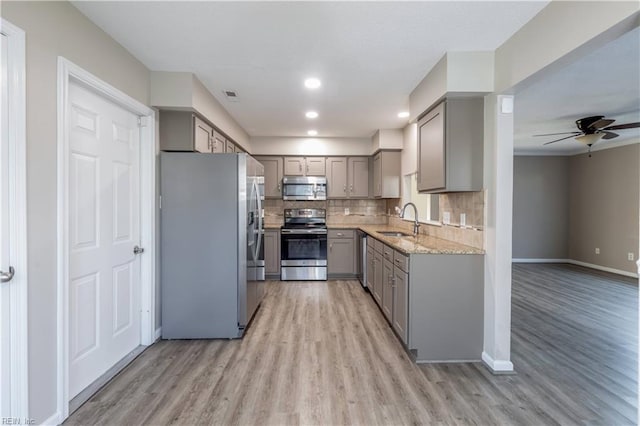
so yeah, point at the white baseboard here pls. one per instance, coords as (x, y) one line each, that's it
(158, 333)
(497, 366)
(540, 260)
(579, 263)
(54, 420)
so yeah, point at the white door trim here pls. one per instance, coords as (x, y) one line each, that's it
(67, 72)
(18, 217)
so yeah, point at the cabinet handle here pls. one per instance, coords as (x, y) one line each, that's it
(397, 260)
(279, 188)
(340, 234)
(300, 167)
(345, 187)
(307, 169)
(330, 246)
(351, 188)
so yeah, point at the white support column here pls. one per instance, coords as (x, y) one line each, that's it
(498, 182)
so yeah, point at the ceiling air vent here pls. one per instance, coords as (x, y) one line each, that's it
(231, 95)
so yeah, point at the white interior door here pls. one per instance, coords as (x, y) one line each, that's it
(104, 227)
(5, 313)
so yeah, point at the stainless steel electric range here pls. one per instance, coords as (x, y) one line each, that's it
(304, 245)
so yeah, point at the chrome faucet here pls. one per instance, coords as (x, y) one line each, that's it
(416, 224)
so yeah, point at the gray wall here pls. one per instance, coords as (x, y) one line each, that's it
(604, 207)
(53, 29)
(565, 207)
(540, 207)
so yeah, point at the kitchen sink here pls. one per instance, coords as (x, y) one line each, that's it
(394, 234)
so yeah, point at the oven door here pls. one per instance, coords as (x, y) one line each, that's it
(304, 247)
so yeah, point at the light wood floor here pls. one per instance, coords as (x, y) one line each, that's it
(321, 353)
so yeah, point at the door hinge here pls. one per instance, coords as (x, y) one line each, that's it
(142, 121)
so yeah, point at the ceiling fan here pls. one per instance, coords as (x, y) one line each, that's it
(592, 129)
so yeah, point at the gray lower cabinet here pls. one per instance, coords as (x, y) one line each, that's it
(400, 302)
(434, 302)
(387, 290)
(378, 282)
(272, 253)
(341, 256)
(370, 269)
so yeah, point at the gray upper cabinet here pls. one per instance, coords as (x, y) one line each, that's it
(347, 177)
(304, 166)
(184, 131)
(202, 135)
(386, 174)
(358, 171)
(337, 177)
(219, 143)
(450, 146)
(273, 168)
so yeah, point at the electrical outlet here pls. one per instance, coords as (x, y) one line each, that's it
(446, 218)
(346, 211)
(597, 250)
(630, 256)
(463, 220)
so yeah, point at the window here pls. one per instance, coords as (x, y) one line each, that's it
(427, 204)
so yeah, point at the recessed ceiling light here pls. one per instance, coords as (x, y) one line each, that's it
(312, 132)
(311, 114)
(403, 114)
(312, 83)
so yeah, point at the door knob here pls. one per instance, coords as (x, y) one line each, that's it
(5, 277)
(138, 250)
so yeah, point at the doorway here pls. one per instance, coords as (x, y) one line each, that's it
(13, 239)
(106, 227)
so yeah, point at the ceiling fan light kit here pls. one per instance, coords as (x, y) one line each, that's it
(591, 130)
(589, 139)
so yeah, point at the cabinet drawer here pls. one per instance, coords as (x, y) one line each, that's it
(401, 261)
(387, 252)
(341, 233)
(377, 245)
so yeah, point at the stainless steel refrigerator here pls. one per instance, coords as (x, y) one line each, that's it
(212, 261)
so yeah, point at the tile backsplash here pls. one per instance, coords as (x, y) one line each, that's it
(371, 212)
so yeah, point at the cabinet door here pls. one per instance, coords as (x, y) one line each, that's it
(341, 257)
(272, 176)
(400, 302)
(431, 150)
(377, 175)
(358, 177)
(336, 177)
(294, 166)
(370, 269)
(314, 166)
(378, 277)
(219, 143)
(230, 147)
(272, 252)
(202, 133)
(387, 290)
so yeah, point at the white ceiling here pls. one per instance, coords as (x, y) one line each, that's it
(369, 55)
(605, 82)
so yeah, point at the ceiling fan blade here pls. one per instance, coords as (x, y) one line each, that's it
(603, 122)
(563, 133)
(561, 139)
(585, 123)
(609, 135)
(623, 126)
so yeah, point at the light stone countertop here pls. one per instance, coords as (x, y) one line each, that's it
(422, 244)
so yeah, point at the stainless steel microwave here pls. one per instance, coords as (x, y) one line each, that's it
(304, 188)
